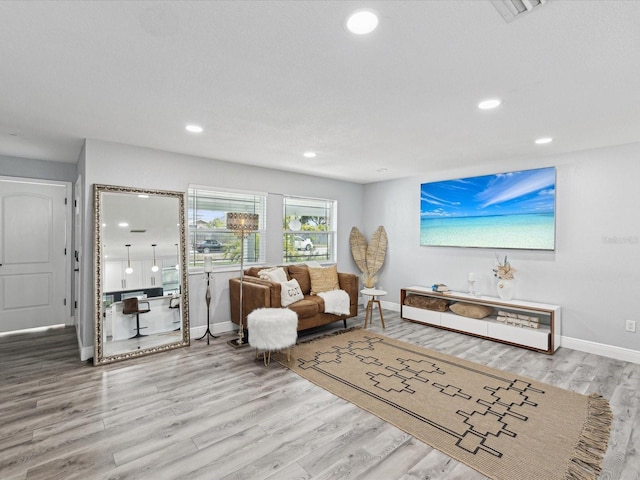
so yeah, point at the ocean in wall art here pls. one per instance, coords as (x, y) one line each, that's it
(506, 210)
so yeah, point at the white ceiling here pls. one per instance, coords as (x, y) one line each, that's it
(152, 220)
(269, 80)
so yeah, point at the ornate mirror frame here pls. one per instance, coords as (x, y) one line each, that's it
(100, 358)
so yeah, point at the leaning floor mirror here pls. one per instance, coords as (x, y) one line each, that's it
(141, 292)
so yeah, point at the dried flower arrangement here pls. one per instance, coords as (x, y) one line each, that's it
(503, 270)
(369, 257)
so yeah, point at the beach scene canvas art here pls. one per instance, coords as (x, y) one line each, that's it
(504, 210)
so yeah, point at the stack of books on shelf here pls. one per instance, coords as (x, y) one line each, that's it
(518, 319)
(440, 288)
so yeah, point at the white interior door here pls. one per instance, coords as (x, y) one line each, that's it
(33, 244)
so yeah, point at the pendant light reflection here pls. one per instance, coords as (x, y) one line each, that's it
(155, 267)
(128, 270)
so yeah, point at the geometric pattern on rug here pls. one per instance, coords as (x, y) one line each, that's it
(482, 411)
(483, 420)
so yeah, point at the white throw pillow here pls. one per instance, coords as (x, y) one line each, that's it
(276, 274)
(290, 292)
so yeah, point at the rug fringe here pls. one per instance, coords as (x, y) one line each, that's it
(586, 462)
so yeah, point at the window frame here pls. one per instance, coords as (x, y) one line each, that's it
(225, 198)
(330, 232)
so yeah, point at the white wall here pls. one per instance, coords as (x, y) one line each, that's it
(117, 164)
(41, 169)
(594, 273)
(84, 312)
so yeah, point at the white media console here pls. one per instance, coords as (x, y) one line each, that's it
(545, 338)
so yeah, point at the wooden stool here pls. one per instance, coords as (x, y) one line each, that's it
(372, 293)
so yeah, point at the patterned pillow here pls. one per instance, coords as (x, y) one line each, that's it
(290, 292)
(323, 279)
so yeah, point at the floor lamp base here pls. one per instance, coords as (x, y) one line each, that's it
(207, 297)
(234, 343)
(208, 335)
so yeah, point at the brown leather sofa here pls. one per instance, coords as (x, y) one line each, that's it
(258, 293)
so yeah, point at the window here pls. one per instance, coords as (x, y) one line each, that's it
(309, 229)
(208, 234)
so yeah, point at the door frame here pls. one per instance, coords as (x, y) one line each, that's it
(76, 260)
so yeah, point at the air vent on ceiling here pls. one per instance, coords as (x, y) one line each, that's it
(512, 9)
(137, 231)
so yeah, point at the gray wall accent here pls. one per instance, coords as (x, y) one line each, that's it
(84, 312)
(594, 273)
(117, 164)
(42, 169)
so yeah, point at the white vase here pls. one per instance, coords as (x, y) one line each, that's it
(505, 289)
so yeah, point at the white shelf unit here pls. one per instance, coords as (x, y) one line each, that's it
(545, 339)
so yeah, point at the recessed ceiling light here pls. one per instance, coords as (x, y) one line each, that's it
(123, 224)
(489, 104)
(362, 22)
(542, 141)
(309, 154)
(142, 195)
(194, 128)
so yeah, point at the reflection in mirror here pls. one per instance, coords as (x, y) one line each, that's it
(141, 293)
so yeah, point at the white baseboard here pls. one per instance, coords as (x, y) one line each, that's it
(386, 305)
(611, 351)
(619, 353)
(85, 352)
(216, 328)
(390, 306)
(196, 332)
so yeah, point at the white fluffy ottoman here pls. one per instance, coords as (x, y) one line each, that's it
(272, 329)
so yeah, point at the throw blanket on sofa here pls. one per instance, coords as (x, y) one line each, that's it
(335, 301)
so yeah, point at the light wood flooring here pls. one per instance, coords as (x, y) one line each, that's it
(214, 412)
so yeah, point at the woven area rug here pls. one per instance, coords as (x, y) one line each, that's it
(500, 424)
